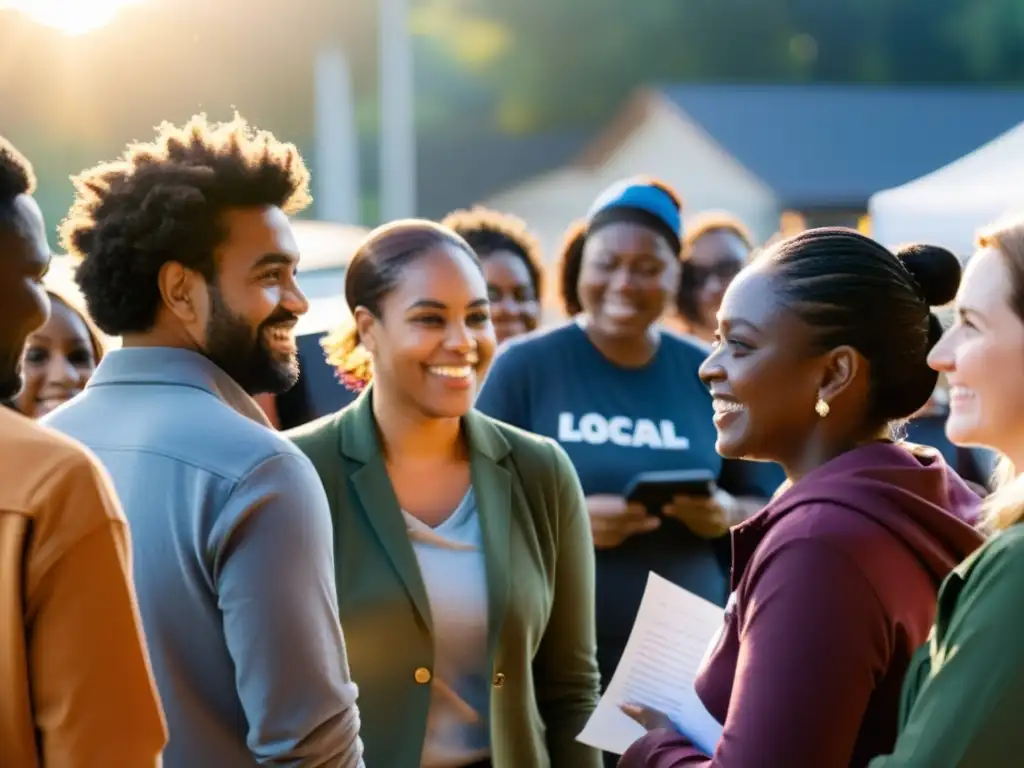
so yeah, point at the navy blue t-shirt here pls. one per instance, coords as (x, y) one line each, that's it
(614, 423)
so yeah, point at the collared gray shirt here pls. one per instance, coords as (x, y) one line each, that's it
(233, 563)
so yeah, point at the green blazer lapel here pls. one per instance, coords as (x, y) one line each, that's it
(358, 441)
(492, 486)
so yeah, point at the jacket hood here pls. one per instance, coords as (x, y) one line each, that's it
(914, 494)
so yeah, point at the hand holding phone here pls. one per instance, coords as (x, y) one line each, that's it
(654, 490)
(613, 520)
(710, 517)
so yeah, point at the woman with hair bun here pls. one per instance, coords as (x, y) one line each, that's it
(464, 570)
(822, 345)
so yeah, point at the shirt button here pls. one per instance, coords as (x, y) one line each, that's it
(422, 675)
(499, 680)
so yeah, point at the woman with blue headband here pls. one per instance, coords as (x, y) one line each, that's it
(622, 396)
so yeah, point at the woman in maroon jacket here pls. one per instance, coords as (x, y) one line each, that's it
(822, 345)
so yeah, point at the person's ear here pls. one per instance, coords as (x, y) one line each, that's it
(839, 373)
(184, 293)
(368, 328)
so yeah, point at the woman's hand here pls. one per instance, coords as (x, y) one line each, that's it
(613, 520)
(710, 517)
(651, 719)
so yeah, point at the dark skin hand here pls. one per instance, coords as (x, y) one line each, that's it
(650, 719)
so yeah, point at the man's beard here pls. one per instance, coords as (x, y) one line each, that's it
(245, 356)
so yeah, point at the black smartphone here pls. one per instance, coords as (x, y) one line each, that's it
(656, 489)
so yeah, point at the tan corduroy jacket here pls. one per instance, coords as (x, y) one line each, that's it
(77, 687)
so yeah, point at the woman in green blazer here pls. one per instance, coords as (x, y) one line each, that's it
(465, 570)
(964, 691)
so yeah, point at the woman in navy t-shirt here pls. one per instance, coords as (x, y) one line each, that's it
(622, 396)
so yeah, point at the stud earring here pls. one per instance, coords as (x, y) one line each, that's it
(821, 408)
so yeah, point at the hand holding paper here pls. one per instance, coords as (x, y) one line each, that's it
(666, 647)
(650, 719)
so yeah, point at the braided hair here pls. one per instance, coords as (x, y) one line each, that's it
(855, 292)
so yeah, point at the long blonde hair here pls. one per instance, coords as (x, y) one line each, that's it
(1005, 507)
(349, 358)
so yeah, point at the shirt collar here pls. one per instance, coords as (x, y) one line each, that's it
(175, 367)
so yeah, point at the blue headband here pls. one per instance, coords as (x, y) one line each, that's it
(642, 196)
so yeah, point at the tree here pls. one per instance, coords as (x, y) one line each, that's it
(573, 61)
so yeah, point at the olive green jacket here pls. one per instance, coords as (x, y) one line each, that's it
(964, 691)
(540, 585)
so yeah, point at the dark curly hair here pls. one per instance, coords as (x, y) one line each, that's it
(163, 201)
(488, 231)
(16, 178)
(569, 262)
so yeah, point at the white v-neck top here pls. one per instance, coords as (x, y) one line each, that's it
(454, 572)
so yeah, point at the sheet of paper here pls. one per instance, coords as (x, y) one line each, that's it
(674, 629)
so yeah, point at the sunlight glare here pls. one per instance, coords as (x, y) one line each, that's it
(72, 17)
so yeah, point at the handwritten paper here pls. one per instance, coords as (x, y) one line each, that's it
(673, 632)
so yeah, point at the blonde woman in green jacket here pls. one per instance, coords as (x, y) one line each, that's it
(964, 693)
(465, 570)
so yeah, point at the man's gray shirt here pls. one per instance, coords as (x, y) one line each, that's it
(233, 562)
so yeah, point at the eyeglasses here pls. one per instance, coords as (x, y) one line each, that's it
(723, 270)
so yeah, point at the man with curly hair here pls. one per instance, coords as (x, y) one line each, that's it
(77, 688)
(187, 254)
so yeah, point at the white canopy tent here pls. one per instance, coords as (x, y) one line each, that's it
(946, 207)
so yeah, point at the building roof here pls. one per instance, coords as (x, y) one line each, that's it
(456, 170)
(836, 145)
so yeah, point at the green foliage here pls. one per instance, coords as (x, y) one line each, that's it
(573, 61)
(512, 65)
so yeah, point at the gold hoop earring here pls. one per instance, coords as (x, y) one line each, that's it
(821, 408)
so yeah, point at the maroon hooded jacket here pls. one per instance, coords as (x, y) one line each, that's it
(835, 585)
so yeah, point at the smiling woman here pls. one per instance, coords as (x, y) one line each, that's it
(821, 344)
(60, 357)
(438, 511)
(378, 278)
(73, 17)
(512, 266)
(962, 696)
